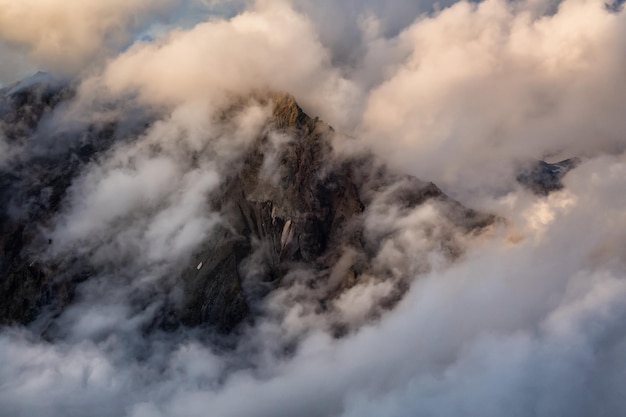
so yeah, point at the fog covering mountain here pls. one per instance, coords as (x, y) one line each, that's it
(112, 235)
(279, 210)
(183, 233)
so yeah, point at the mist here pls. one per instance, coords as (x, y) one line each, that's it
(525, 318)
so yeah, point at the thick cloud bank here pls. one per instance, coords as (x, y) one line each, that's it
(528, 321)
(65, 36)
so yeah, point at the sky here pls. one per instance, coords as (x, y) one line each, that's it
(528, 322)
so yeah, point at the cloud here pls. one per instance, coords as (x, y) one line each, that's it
(146, 201)
(487, 85)
(528, 321)
(66, 35)
(270, 47)
(482, 86)
(12, 66)
(344, 27)
(529, 328)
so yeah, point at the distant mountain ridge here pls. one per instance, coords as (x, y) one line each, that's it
(542, 178)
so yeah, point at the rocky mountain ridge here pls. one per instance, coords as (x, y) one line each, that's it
(542, 177)
(293, 205)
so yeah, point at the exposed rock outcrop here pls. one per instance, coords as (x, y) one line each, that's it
(542, 178)
(307, 213)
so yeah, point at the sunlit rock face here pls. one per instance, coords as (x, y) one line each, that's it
(293, 213)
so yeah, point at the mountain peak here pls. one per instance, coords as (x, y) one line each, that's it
(286, 110)
(293, 210)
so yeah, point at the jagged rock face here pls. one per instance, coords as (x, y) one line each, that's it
(296, 214)
(291, 205)
(308, 212)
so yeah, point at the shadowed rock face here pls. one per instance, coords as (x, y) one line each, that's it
(32, 188)
(542, 178)
(30, 191)
(307, 214)
(292, 203)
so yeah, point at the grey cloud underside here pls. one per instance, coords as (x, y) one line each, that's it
(292, 214)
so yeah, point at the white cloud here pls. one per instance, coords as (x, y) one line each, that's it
(489, 84)
(528, 322)
(66, 35)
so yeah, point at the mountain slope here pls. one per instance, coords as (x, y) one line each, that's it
(293, 214)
